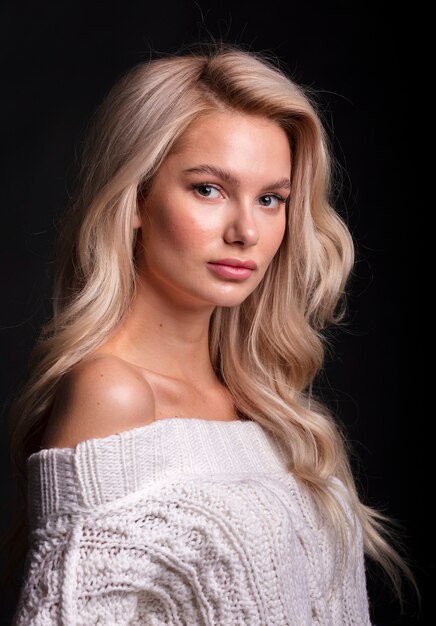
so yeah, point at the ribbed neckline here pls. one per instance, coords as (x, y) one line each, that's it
(100, 470)
(133, 431)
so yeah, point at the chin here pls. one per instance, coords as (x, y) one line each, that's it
(232, 299)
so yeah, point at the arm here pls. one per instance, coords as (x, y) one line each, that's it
(96, 398)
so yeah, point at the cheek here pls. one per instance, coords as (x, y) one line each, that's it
(180, 230)
(276, 235)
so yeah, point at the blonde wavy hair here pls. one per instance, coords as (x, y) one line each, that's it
(268, 349)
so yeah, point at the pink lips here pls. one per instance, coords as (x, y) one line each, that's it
(232, 268)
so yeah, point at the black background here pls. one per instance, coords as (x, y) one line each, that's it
(58, 61)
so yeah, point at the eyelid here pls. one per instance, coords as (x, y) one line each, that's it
(205, 184)
(274, 193)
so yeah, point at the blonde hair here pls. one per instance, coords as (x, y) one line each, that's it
(268, 349)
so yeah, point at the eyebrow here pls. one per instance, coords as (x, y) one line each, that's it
(282, 183)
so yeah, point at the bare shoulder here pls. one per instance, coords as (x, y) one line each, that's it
(98, 397)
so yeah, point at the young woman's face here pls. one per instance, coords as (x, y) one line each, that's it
(218, 200)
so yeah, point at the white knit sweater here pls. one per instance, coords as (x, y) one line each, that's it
(183, 522)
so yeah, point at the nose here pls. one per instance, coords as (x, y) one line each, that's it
(241, 227)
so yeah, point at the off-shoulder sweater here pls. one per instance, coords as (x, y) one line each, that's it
(184, 522)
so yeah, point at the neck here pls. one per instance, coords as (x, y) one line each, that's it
(167, 335)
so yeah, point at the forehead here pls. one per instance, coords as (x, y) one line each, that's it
(235, 137)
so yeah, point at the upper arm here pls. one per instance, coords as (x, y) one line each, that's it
(97, 398)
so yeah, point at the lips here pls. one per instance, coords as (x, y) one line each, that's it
(232, 268)
(249, 264)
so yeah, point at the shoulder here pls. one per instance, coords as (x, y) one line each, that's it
(98, 397)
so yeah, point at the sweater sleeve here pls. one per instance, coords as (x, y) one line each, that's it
(49, 574)
(75, 578)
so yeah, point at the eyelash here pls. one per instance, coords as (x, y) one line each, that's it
(197, 186)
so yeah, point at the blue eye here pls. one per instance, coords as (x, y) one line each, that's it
(272, 200)
(206, 191)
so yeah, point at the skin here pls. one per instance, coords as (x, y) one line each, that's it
(182, 228)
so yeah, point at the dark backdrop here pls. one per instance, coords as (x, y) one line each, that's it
(60, 58)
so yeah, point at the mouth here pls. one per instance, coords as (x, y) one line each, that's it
(230, 271)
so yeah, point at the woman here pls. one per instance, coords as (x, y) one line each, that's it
(179, 470)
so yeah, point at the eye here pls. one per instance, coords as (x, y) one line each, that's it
(206, 191)
(271, 200)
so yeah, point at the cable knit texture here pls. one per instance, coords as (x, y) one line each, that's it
(183, 522)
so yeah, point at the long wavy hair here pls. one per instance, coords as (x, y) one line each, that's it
(268, 349)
